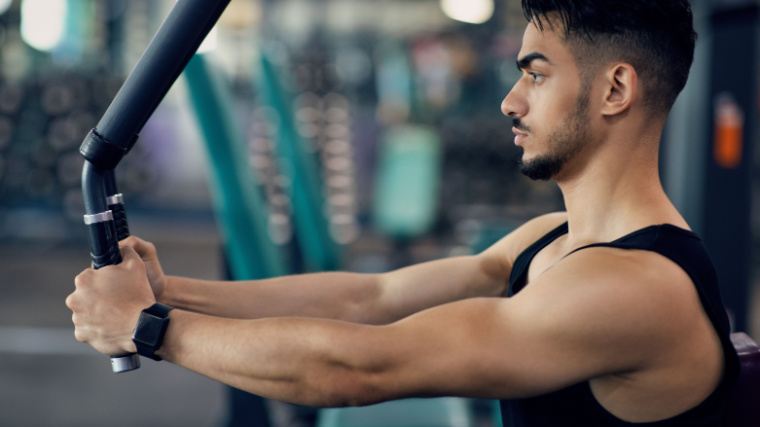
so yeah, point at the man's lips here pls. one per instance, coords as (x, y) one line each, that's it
(519, 135)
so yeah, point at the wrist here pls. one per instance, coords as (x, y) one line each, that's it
(165, 291)
(127, 344)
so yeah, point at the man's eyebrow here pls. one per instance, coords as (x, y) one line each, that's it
(526, 60)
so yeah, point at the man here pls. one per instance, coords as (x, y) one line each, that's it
(626, 331)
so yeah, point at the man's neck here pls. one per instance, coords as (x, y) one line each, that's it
(614, 194)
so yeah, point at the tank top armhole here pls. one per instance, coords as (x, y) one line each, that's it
(519, 272)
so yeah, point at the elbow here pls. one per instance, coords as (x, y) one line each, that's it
(353, 384)
(357, 392)
(364, 307)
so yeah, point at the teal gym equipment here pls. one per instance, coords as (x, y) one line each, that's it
(437, 412)
(242, 214)
(406, 191)
(296, 161)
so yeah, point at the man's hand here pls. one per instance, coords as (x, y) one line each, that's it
(107, 303)
(149, 256)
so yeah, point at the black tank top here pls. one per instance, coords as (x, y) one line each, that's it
(576, 405)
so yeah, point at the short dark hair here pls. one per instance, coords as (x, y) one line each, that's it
(655, 36)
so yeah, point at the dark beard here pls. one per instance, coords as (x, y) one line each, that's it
(567, 141)
(542, 168)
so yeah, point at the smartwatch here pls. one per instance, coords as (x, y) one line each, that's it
(151, 327)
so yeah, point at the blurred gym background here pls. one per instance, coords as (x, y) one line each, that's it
(309, 135)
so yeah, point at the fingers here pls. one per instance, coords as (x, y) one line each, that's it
(79, 331)
(81, 280)
(150, 264)
(80, 335)
(129, 254)
(73, 302)
(106, 303)
(144, 248)
(131, 241)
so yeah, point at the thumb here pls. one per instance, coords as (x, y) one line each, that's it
(128, 254)
(143, 248)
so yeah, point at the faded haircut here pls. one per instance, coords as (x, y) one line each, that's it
(655, 36)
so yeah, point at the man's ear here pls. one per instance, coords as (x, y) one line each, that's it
(620, 90)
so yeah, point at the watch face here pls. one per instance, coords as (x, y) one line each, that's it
(149, 328)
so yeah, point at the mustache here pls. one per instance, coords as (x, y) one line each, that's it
(519, 125)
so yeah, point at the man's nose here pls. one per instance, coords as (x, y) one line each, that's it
(514, 104)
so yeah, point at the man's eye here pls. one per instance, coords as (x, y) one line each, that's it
(536, 77)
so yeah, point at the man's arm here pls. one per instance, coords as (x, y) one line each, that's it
(352, 297)
(595, 313)
(568, 326)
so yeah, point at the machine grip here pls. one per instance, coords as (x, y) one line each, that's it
(116, 206)
(104, 245)
(104, 250)
(115, 202)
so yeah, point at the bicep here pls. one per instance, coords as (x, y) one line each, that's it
(470, 349)
(537, 342)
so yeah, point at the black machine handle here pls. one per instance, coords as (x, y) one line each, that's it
(115, 204)
(178, 38)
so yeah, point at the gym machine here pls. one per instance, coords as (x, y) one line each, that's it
(180, 35)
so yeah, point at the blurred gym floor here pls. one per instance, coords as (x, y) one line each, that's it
(47, 378)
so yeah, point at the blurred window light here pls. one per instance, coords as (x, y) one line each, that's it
(43, 23)
(210, 42)
(5, 5)
(470, 11)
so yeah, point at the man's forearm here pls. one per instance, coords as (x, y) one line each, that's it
(304, 361)
(318, 362)
(351, 297)
(339, 296)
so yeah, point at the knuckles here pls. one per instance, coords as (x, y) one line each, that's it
(140, 246)
(71, 302)
(80, 335)
(133, 263)
(83, 279)
(130, 241)
(79, 332)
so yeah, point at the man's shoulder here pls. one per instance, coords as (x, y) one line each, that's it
(541, 225)
(517, 241)
(624, 275)
(633, 293)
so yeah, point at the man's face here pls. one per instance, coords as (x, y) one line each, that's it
(549, 105)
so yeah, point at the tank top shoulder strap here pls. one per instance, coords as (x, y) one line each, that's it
(644, 238)
(519, 272)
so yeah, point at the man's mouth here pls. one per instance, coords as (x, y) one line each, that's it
(519, 135)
